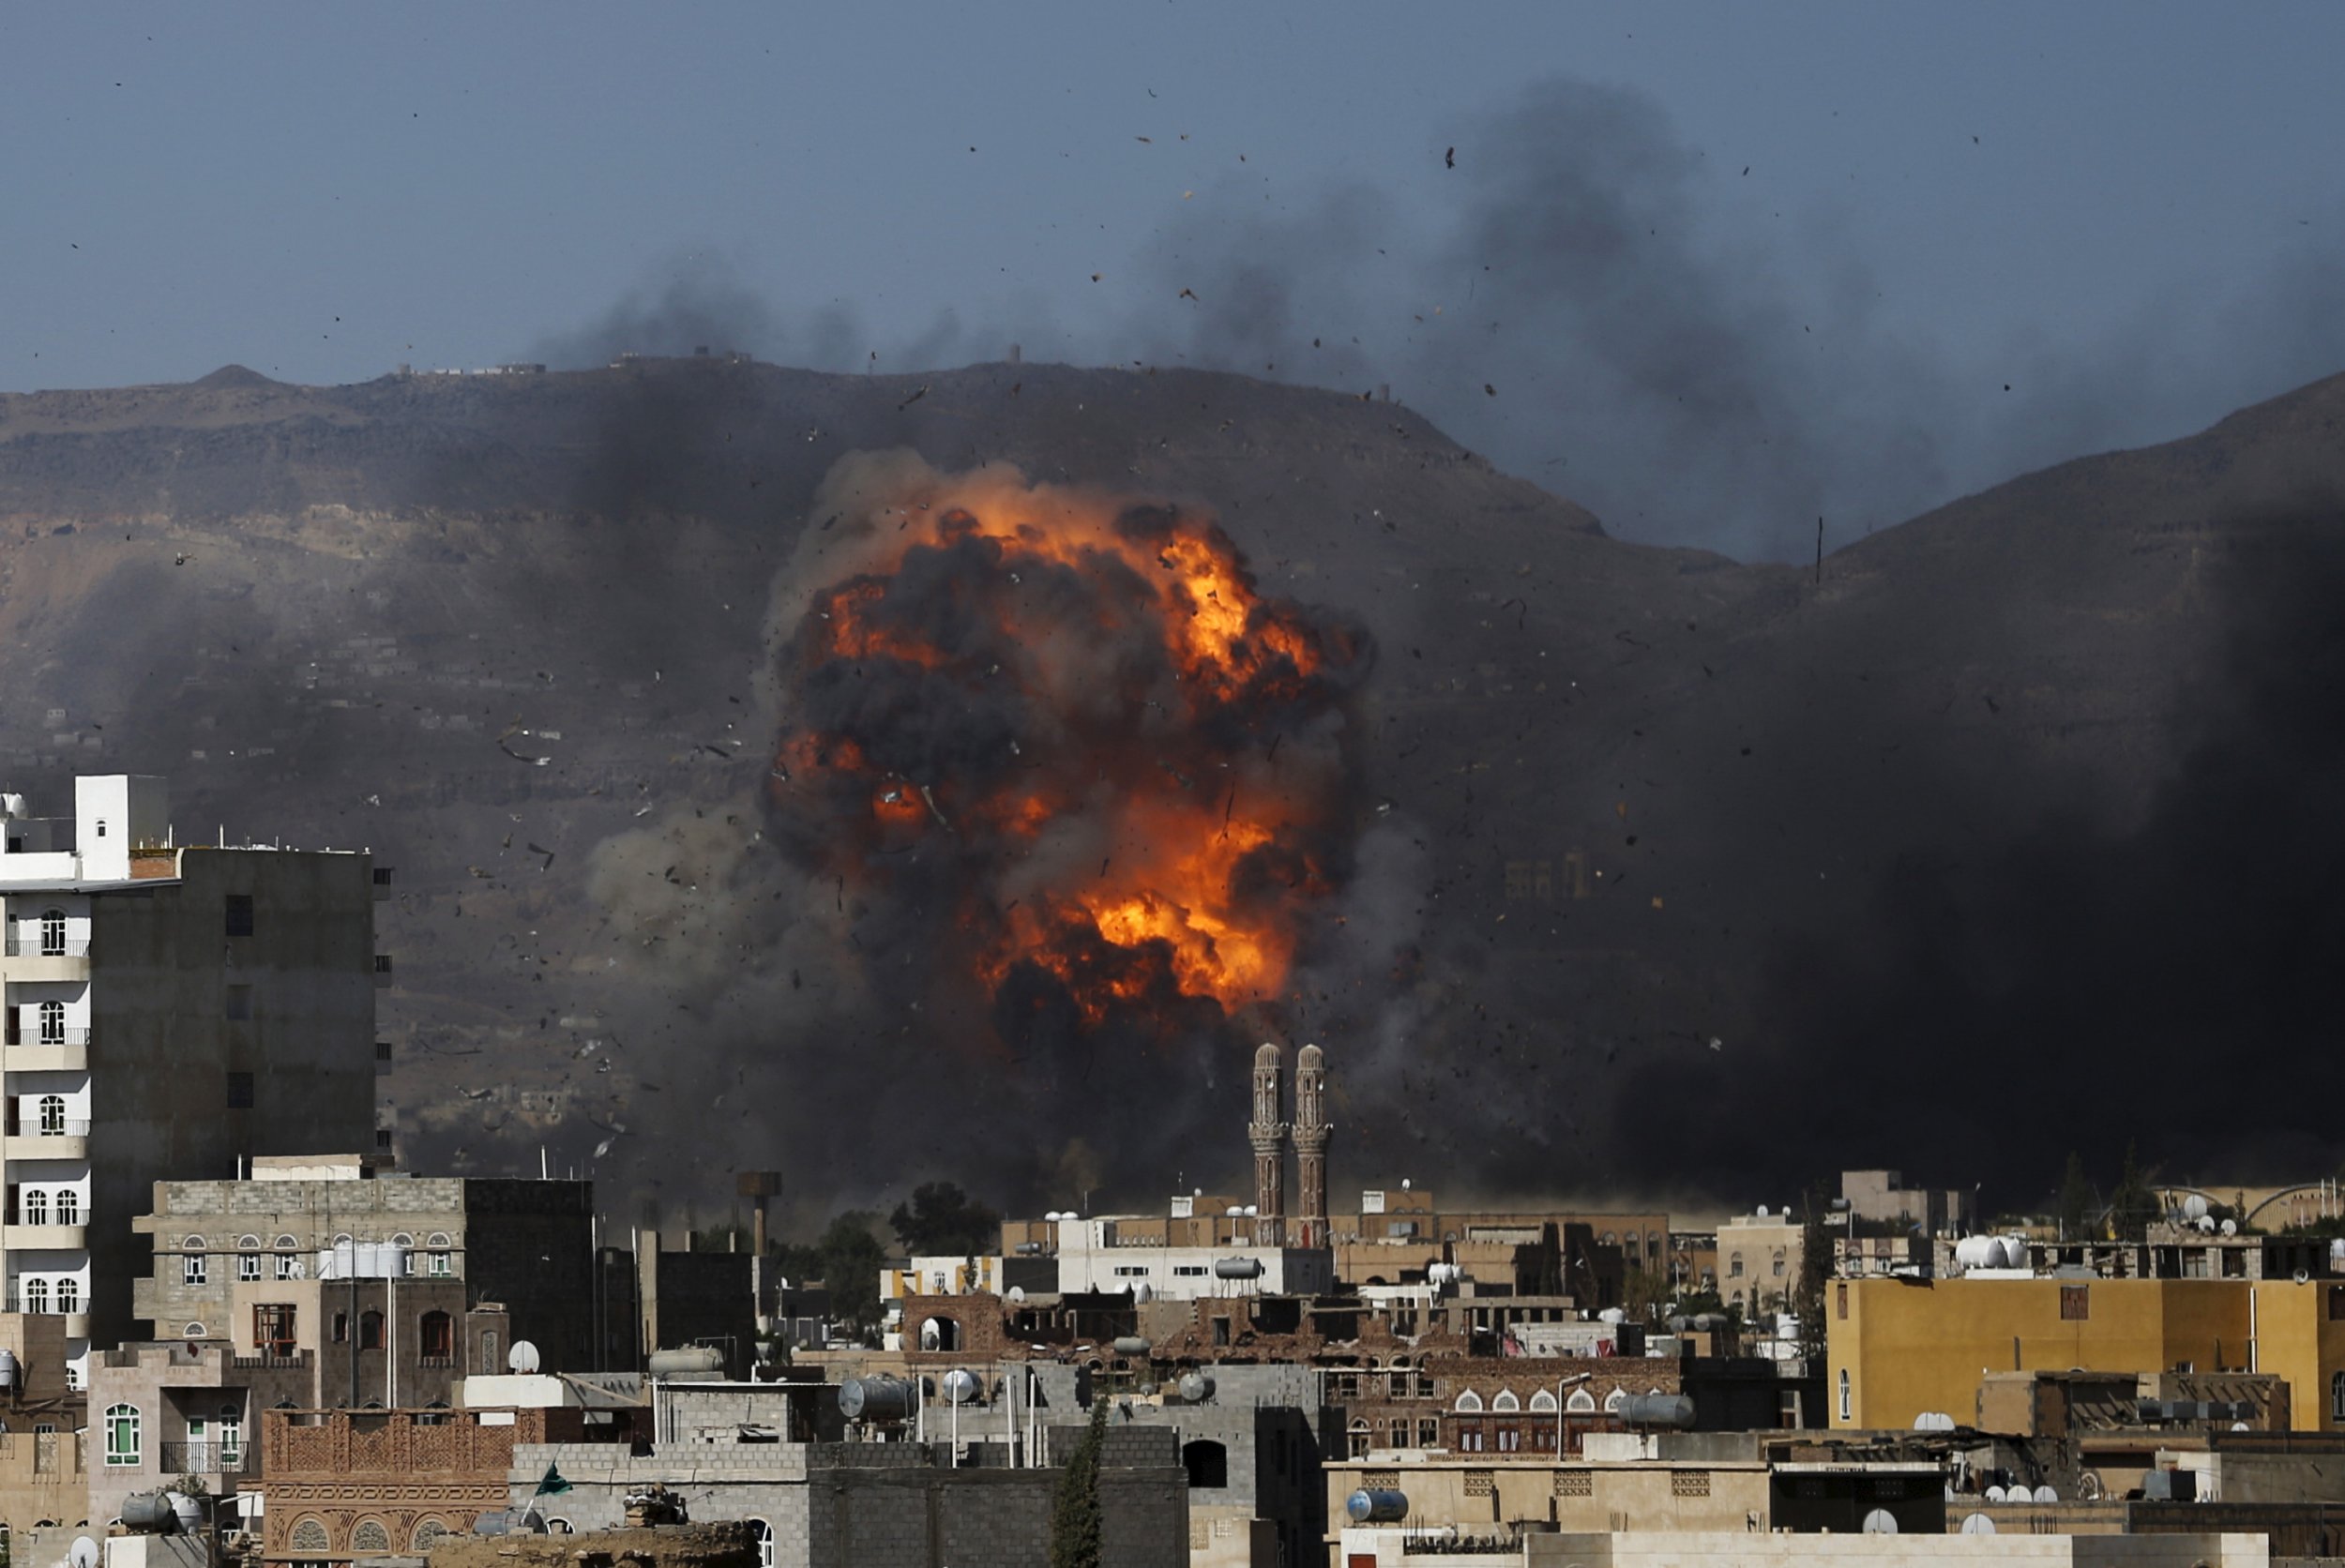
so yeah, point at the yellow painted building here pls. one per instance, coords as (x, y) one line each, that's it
(1897, 1348)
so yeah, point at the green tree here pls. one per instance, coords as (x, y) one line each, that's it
(1075, 1510)
(851, 1259)
(943, 1221)
(1815, 1268)
(2077, 1204)
(2132, 1206)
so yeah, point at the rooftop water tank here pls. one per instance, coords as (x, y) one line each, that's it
(1379, 1505)
(8, 1368)
(149, 1513)
(1196, 1387)
(1673, 1411)
(1237, 1268)
(960, 1387)
(876, 1399)
(686, 1362)
(1132, 1345)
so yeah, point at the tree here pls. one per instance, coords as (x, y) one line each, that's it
(851, 1259)
(1075, 1510)
(1815, 1268)
(2132, 1206)
(2075, 1202)
(943, 1221)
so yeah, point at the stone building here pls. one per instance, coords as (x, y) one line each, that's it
(320, 1251)
(340, 1485)
(43, 1475)
(170, 1009)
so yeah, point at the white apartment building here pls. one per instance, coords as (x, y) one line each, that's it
(1091, 1257)
(170, 1010)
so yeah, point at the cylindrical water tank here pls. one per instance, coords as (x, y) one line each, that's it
(394, 1261)
(1237, 1268)
(1443, 1274)
(1974, 1252)
(1612, 1315)
(345, 1259)
(366, 1260)
(1196, 1387)
(148, 1512)
(960, 1387)
(187, 1511)
(1658, 1410)
(687, 1361)
(1709, 1322)
(8, 1368)
(1379, 1505)
(1132, 1345)
(876, 1399)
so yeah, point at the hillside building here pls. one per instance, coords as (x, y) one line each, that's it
(171, 1009)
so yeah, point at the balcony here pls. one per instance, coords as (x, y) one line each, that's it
(53, 1141)
(30, 958)
(202, 1457)
(39, 1050)
(45, 1304)
(17, 1236)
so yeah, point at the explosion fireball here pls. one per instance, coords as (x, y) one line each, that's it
(1064, 740)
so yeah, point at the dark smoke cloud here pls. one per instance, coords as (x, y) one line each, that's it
(1615, 323)
(2043, 979)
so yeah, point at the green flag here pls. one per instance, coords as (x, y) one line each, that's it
(552, 1483)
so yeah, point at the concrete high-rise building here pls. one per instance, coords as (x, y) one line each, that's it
(1311, 1133)
(1269, 1134)
(171, 1009)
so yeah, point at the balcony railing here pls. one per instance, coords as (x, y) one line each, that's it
(47, 1303)
(34, 947)
(205, 1457)
(280, 1356)
(18, 1035)
(47, 1129)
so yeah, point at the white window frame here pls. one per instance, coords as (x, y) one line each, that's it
(117, 1420)
(194, 1267)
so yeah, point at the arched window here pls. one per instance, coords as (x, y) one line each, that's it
(1610, 1239)
(1207, 1463)
(53, 1023)
(1846, 1404)
(121, 1434)
(558, 1526)
(1780, 1264)
(35, 1295)
(68, 1294)
(69, 1206)
(1361, 1441)
(1614, 1400)
(1581, 1402)
(309, 1537)
(436, 1337)
(368, 1535)
(1733, 1266)
(52, 1109)
(52, 933)
(1470, 1401)
(249, 1258)
(369, 1330)
(191, 1262)
(1506, 1401)
(427, 1532)
(762, 1533)
(440, 1265)
(35, 1206)
(194, 1330)
(1544, 1400)
(288, 1263)
(231, 1436)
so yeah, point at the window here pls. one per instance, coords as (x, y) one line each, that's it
(194, 1330)
(427, 1532)
(53, 1106)
(2076, 1306)
(368, 1535)
(762, 1533)
(1470, 1401)
(287, 1262)
(249, 1259)
(342, 1328)
(1543, 1400)
(53, 1023)
(52, 933)
(239, 1091)
(1581, 1402)
(191, 1262)
(1614, 1400)
(68, 1294)
(240, 917)
(1733, 1266)
(101, 827)
(437, 1339)
(1778, 1264)
(1840, 1293)
(69, 1206)
(121, 1434)
(273, 1328)
(239, 1001)
(440, 1265)
(1428, 1432)
(1506, 1401)
(309, 1537)
(1847, 1399)
(1470, 1436)
(369, 1330)
(489, 1350)
(1207, 1463)
(35, 1295)
(1510, 1439)
(35, 1206)
(382, 963)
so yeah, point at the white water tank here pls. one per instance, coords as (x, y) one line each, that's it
(1978, 1252)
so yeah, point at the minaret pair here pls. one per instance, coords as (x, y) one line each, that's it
(1268, 1135)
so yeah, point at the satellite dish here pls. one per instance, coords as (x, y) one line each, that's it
(1881, 1522)
(2230, 1227)
(1996, 1494)
(1017, 1292)
(522, 1357)
(1978, 1524)
(84, 1553)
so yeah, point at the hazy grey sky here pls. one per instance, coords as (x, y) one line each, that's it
(2132, 213)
